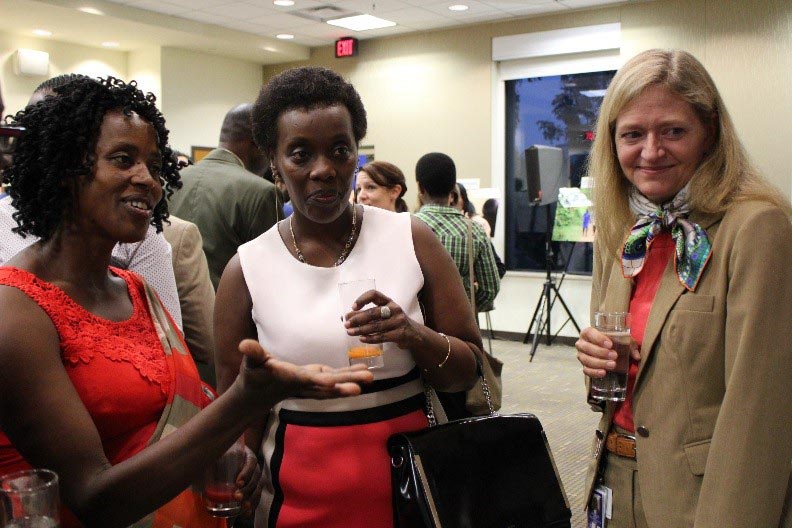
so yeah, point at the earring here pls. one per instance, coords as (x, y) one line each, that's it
(275, 174)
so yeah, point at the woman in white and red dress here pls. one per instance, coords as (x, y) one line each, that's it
(327, 464)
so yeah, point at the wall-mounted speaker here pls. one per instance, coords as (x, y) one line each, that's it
(31, 62)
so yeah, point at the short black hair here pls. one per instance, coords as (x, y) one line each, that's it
(58, 147)
(436, 173)
(304, 88)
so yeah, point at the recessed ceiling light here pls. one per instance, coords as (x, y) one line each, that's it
(269, 48)
(90, 10)
(458, 7)
(283, 3)
(42, 33)
(285, 36)
(110, 44)
(361, 22)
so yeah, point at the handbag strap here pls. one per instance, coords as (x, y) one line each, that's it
(471, 272)
(431, 394)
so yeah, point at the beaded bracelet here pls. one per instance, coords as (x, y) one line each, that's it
(448, 355)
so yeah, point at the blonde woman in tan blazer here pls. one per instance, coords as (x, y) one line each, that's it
(698, 246)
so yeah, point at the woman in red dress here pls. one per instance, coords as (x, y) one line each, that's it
(95, 380)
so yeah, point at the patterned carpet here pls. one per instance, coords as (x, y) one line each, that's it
(551, 387)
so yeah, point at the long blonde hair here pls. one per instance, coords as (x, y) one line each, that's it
(725, 174)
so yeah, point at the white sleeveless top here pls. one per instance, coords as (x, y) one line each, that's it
(296, 306)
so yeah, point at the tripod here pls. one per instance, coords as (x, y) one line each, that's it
(540, 321)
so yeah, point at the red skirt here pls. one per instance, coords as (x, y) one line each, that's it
(332, 469)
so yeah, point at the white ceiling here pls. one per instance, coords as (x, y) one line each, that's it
(245, 28)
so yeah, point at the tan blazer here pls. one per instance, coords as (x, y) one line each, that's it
(711, 404)
(196, 293)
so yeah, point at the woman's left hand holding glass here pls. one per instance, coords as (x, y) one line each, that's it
(384, 322)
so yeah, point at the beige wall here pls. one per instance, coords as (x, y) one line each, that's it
(197, 91)
(63, 58)
(194, 90)
(433, 92)
(145, 67)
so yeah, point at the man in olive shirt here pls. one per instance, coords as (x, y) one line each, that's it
(223, 195)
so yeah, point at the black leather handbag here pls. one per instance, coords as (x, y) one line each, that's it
(482, 472)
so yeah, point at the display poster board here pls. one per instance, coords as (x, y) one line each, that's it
(574, 217)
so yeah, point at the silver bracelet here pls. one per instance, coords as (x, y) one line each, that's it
(448, 355)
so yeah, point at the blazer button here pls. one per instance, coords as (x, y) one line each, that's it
(642, 431)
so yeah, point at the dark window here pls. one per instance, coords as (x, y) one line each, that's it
(550, 123)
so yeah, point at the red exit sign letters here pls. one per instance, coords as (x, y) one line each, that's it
(346, 47)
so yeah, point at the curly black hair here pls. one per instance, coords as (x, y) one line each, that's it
(304, 88)
(58, 147)
(58, 81)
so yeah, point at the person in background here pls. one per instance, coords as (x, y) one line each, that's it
(489, 210)
(196, 294)
(461, 201)
(95, 381)
(150, 257)
(436, 176)
(381, 184)
(183, 159)
(309, 122)
(696, 245)
(224, 195)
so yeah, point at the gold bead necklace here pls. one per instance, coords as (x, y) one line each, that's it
(347, 247)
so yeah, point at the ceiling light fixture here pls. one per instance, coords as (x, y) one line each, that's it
(283, 3)
(90, 10)
(361, 22)
(269, 48)
(285, 36)
(42, 33)
(458, 7)
(110, 44)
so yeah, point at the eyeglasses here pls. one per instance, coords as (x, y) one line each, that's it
(8, 138)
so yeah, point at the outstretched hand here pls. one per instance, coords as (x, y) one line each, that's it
(280, 379)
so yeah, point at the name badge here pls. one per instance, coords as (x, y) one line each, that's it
(600, 508)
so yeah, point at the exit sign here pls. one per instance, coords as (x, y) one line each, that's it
(346, 47)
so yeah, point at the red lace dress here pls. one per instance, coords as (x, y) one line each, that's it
(118, 368)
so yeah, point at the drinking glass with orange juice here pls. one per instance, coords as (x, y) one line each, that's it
(368, 354)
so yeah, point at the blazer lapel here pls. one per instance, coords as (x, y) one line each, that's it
(667, 295)
(617, 292)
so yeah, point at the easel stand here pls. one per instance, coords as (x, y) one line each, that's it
(540, 321)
